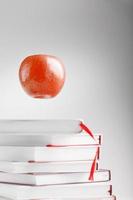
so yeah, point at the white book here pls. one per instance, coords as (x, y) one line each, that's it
(44, 139)
(40, 126)
(71, 191)
(44, 132)
(55, 178)
(112, 197)
(71, 153)
(46, 167)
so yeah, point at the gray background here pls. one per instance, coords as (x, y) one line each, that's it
(95, 41)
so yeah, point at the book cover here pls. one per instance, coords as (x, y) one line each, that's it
(44, 139)
(85, 190)
(55, 178)
(51, 126)
(47, 167)
(112, 197)
(10, 153)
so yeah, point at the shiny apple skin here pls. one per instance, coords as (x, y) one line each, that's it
(42, 76)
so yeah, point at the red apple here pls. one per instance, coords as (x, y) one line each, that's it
(42, 76)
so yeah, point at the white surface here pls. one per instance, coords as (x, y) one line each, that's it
(94, 39)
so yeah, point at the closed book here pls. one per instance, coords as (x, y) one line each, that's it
(46, 167)
(112, 197)
(10, 153)
(55, 178)
(85, 190)
(40, 126)
(44, 139)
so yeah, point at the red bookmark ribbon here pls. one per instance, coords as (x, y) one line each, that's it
(93, 167)
(87, 130)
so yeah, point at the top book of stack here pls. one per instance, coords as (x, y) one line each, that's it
(45, 133)
(40, 126)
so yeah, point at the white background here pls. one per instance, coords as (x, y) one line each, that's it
(95, 41)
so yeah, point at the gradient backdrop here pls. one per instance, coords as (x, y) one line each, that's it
(95, 41)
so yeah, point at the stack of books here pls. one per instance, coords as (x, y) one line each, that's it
(51, 159)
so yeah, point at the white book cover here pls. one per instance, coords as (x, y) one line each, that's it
(71, 153)
(85, 190)
(40, 126)
(55, 178)
(112, 197)
(46, 167)
(44, 139)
